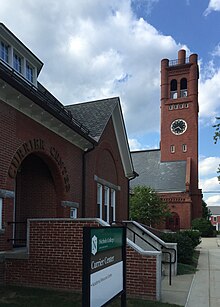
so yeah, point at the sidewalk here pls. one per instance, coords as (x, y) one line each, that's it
(178, 292)
(203, 288)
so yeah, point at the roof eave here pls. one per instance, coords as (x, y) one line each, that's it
(122, 141)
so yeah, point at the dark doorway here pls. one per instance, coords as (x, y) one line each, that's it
(173, 222)
(35, 196)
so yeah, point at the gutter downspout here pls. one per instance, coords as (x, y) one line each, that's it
(84, 180)
(135, 174)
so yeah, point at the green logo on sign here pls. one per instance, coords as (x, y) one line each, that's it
(105, 239)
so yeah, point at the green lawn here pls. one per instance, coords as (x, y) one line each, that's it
(32, 297)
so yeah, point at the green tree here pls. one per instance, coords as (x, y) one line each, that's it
(206, 213)
(204, 226)
(217, 130)
(216, 138)
(147, 207)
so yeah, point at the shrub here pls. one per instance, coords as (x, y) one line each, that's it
(204, 226)
(185, 246)
(194, 235)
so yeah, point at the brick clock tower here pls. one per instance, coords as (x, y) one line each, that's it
(179, 119)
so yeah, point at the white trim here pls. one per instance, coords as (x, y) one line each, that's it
(113, 203)
(73, 213)
(184, 147)
(172, 148)
(122, 141)
(99, 199)
(107, 183)
(106, 202)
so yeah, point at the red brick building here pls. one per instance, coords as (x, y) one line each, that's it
(61, 168)
(215, 216)
(172, 170)
(55, 161)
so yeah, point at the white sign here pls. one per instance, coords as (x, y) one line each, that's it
(105, 284)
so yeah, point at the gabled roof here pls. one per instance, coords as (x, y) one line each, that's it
(95, 115)
(215, 210)
(161, 176)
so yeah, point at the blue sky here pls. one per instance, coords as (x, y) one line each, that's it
(94, 49)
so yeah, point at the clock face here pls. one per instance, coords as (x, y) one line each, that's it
(178, 126)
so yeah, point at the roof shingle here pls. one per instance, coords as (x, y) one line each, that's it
(94, 114)
(161, 176)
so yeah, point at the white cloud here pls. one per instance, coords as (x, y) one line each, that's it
(213, 200)
(216, 51)
(209, 166)
(210, 184)
(134, 144)
(145, 7)
(209, 94)
(95, 49)
(214, 5)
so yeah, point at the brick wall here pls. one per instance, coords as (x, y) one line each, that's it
(105, 162)
(55, 256)
(40, 195)
(47, 189)
(55, 260)
(141, 275)
(180, 203)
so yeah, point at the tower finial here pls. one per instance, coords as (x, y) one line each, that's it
(181, 56)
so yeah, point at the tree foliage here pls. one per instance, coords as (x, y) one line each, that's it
(217, 130)
(146, 206)
(206, 213)
(204, 226)
(216, 138)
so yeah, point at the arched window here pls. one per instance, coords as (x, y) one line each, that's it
(173, 89)
(183, 87)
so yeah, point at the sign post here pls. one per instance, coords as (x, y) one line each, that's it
(104, 265)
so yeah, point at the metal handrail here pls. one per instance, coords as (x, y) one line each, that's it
(177, 62)
(170, 262)
(24, 240)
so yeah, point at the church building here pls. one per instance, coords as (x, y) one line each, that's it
(172, 170)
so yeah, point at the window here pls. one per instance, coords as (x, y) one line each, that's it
(112, 205)
(184, 147)
(186, 105)
(181, 106)
(99, 201)
(170, 107)
(0, 213)
(106, 201)
(73, 213)
(176, 106)
(173, 89)
(29, 72)
(4, 52)
(106, 205)
(172, 148)
(17, 61)
(183, 87)
(214, 218)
